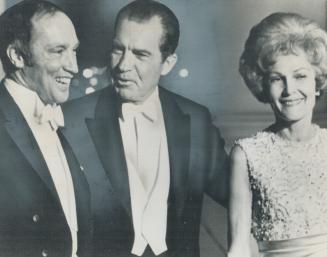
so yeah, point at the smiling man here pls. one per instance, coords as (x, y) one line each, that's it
(159, 151)
(44, 197)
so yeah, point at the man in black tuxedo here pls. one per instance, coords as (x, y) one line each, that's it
(152, 153)
(44, 196)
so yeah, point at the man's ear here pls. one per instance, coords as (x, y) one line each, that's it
(168, 64)
(15, 56)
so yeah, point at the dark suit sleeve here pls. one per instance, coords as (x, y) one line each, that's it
(217, 182)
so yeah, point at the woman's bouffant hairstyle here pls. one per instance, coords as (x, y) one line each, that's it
(282, 34)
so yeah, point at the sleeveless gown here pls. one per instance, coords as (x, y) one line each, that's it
(289, 193)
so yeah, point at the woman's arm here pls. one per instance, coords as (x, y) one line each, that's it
(240, 205)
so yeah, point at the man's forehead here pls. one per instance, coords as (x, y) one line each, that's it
(41, 16)
(53, 28)
(46, 21)
(139, 34)
(154, 20)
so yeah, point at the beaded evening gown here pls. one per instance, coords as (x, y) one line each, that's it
(289, 193)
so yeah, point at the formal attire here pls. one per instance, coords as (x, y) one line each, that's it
(289, 198)
(146, 152)
(153, 213)
(42, 186)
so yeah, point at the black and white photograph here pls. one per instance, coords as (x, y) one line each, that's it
(169, 128)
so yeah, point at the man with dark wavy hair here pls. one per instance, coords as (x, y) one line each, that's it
(44, 197)
(159, 151)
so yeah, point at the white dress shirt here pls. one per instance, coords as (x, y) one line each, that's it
(47, 139)
(146, 151)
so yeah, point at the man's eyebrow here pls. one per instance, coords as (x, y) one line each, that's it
(62, 45)
(141, 51)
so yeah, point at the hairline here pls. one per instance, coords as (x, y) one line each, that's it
(130, 18)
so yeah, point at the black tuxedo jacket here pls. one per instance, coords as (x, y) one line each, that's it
(198, 164)
(32, 221)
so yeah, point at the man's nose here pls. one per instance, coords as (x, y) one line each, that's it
(70, 62)
(125, 62)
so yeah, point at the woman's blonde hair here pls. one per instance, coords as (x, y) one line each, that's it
(282, 34)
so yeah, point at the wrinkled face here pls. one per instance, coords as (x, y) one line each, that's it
(291, 81)
(53, 47)
(136, 61)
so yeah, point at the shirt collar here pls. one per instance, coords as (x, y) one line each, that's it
(23, 97)
(27, 100)
(149, 108)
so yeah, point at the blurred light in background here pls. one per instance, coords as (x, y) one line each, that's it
(93, 82)
(183, 73)
(87, 73)
(89, 90)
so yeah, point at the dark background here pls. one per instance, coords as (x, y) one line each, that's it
(212, 36)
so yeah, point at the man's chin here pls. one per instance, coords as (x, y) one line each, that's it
(124, 93)
(61, 98)
(127, 96)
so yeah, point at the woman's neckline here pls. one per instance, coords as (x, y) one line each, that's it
(283, 138)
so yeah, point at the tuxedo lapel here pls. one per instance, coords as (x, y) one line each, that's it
(105, 131)
(81, 190)
(178, 138)
(80, 185)
(21, 134)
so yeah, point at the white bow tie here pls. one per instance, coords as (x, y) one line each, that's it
(49, 113)
(148, 110)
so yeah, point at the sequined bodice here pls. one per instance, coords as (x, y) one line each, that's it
(289, 185)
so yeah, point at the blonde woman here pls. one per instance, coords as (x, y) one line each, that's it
(279, 176)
